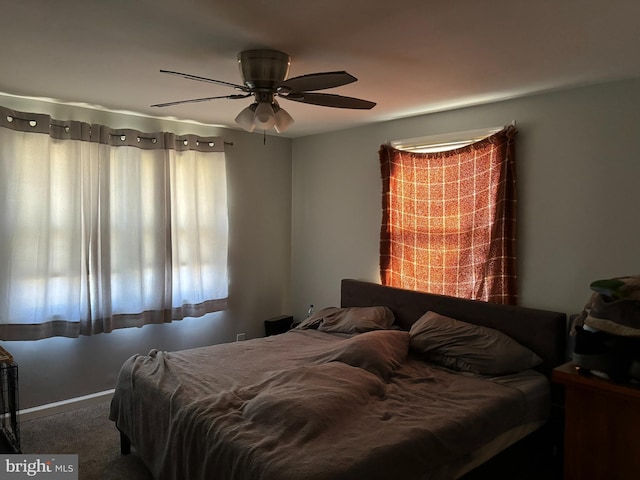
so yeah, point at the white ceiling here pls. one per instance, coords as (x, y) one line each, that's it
(410, 56)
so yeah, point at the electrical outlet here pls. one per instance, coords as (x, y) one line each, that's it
(240, 337)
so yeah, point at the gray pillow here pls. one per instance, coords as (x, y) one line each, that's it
(471, 348)
(349, 320)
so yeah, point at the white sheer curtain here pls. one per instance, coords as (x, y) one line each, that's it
(103, 229)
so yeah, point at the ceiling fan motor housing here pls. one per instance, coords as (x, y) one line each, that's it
(263, 69)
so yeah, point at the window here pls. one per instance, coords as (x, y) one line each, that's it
(104, 229)
(449, 219)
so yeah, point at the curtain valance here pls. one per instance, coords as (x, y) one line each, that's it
(75, 130)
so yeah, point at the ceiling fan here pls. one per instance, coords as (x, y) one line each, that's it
(264, 74)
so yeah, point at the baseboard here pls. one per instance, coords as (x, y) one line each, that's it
(64, 405)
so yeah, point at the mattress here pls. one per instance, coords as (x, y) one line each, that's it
(534, 388)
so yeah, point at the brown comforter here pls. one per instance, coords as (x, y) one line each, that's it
(307, 405)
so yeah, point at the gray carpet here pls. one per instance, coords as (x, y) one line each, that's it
(89, 433)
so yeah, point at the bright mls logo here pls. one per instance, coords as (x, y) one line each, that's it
(50, 467)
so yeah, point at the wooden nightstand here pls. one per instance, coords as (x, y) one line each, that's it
(602, 426)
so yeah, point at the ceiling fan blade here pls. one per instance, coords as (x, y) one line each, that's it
(329, 100)
(316, 81)
(196, 100)
(207, 80)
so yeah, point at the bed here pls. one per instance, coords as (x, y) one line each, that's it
(390, 384)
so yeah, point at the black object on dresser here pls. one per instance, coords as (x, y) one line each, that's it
(276, 325)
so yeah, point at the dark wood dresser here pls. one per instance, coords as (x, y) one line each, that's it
(602, 426)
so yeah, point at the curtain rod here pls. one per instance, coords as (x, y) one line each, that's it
(447, 138)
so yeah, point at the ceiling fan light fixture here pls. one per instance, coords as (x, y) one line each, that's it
(246, 118)
(283, 119)
(265, 117)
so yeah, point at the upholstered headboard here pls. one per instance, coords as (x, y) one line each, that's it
(542, 331)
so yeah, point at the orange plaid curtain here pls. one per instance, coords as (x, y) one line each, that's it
(448, 222)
